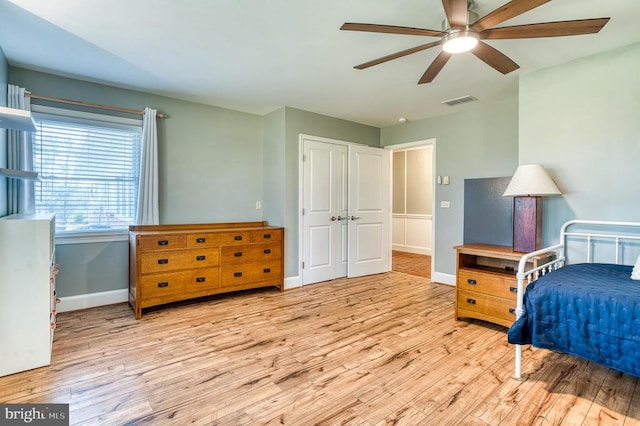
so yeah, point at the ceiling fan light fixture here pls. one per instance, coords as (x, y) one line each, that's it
(460, 41)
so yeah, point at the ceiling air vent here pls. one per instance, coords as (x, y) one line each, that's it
(461, 100)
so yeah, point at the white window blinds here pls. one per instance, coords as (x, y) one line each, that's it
(89, 167)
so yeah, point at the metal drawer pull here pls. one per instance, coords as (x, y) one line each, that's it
(267, 251)
(163, 284)
(512, 311)
(513, 289)
(201, 279)
(266, 270)
(200, 240)
(267, 235)
(237, 237)
(237, 274)
(472, 281)
(237, 254)
(163, 242)
(163, 261)
(471, 301)
(201, 257)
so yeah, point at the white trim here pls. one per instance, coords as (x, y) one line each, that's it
(409, 145)
(293, 282)
(91, 237)
(411, 249)
(442, 278)
(301, 138)
(91, 300)
(417, 144)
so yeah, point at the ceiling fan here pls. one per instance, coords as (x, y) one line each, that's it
(463, 35)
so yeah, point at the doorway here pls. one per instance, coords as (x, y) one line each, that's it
(413, 197)
(345, 217)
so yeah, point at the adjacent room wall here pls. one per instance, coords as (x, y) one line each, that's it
(4, 72)
(581, 120)
(471, 144)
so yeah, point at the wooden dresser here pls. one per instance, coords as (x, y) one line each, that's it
(486, 284)
(168, 263)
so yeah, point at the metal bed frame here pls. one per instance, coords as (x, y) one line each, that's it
(604, 232)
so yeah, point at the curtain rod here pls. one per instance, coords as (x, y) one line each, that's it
(89, 104)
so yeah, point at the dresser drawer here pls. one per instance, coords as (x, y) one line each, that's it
(161, 242)
(163, 285)
(250, 253)
(266, 235)
(494, 309)
(250, 272)
(159, 261)
(218, 238)
(202, 282)
(489, 284)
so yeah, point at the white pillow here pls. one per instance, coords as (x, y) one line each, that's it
(635, 273)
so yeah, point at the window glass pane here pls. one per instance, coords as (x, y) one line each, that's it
(89, 173)
(398, 182)
(419, 181)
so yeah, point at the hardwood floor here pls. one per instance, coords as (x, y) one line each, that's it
(410, 263)
(376, 350)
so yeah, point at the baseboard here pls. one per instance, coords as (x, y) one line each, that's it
(292, 282)
(91, 300)
(409, 249)
(442, 278)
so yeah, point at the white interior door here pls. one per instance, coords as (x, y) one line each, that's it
(369, 211)
(324, 221)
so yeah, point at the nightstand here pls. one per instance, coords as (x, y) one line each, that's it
(486, 283)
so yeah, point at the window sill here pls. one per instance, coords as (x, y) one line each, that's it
(91, 237)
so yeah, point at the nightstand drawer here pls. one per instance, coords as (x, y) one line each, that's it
(489, 284)
(493, 309)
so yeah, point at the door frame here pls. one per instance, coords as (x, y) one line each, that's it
(416, 144)
(301, 138)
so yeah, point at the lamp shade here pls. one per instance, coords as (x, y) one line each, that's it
(531, 179)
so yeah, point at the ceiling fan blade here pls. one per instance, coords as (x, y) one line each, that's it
(494, 58)
(546, 29)
(397, 55)
(435, 67)
(391, 29)
(456, 11)
(506, 12)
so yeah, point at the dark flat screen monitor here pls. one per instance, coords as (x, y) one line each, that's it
(488, 216)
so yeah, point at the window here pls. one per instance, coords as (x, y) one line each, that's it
(89, 167)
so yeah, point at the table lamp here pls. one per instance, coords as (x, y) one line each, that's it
(527, 186)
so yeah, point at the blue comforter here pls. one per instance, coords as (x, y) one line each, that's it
(588, 310)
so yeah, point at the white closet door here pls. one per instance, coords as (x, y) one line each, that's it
(324, 207)
(369, 211)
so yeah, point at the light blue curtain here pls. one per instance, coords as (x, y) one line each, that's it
(20, 193)
(147, 212)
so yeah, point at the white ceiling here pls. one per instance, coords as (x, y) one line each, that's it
(259, 55)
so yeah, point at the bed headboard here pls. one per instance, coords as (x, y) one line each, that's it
(593, 241)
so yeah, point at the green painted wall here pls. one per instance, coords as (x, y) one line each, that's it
(581, 120)
(274, 176)
(210, 164)
(471, 144)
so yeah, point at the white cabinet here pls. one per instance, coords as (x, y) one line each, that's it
(27, 291)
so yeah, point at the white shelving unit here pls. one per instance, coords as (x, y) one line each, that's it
(27, 291)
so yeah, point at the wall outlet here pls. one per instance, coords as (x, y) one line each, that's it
(445, 204)
(258, 205)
